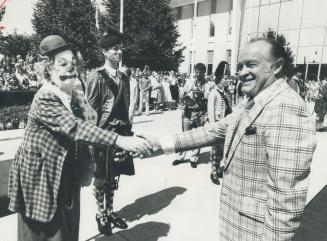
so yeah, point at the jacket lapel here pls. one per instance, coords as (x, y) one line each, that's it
(249, 114)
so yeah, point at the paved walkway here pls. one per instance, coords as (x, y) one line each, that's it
(161, 201)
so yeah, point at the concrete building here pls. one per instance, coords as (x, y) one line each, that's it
(221, 28)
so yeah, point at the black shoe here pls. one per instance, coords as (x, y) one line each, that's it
(177, 162)
(104, 225)
(194, 164)
(214, 178)
(117, 221)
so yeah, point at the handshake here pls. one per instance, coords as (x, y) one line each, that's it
(142, 145)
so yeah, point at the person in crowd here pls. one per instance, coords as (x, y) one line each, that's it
(156, 90)
(315, 89)
(48, 169)
(20, 73)
(166, 94)
(108, 93)
(269, 145)
(209, 85)
(2, 72)
(2, 81)
(25, 84)
(218, 108)
(181, 84)
(144, 86)
(12, 83)
(229, 89)
(195, 108)
(134, 94)
(321, 107)
(296, 83)
(173, 85)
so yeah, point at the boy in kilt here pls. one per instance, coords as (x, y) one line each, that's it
(108, 93)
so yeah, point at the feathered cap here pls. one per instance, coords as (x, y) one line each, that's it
(222, 69)
(110, 38)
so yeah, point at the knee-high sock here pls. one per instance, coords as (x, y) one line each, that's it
(109, 196)
(98, 192)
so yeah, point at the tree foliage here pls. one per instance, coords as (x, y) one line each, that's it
(2, 12)
(280, 38)
(74, 20)
(150, 33)
(17, 44)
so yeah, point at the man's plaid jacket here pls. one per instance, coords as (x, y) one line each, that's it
(269, 144)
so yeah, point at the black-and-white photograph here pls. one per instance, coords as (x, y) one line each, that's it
(163, 120)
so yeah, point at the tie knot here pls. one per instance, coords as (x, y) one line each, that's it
(249, 104)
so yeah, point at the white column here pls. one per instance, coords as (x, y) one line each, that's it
(250, 20)
(193, 36)
(121, 23)
(236, 15)
(299, 35)
(322, 53)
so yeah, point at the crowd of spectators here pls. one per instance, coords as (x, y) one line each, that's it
(161, 90)
(312, 89)
(19, 74)
(164, 89)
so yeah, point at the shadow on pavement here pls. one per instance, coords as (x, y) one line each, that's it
(150, 231)
(4, 175)
(150, 204)
(314, 220)
(204, 158)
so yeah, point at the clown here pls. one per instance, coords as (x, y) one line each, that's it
(53, 159)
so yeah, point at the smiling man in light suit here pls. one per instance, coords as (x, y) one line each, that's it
(269, 144)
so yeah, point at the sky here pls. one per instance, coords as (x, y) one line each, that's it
(18, 16)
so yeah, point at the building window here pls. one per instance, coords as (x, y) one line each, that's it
(212, 29)
(187, 11)
(209, 62)
(203, 8)
(179, 13)
(213, 6)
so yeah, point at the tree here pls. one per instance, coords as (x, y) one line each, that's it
(2, 12)
(17, 44)
(150, 33)
(280, 38)
(74, 20)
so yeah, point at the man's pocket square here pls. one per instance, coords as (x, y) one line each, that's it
(250, 130)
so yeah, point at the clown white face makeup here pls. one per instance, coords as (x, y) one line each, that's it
(63, 72)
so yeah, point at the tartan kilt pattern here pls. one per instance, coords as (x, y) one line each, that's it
(266, 171)
(35, 174)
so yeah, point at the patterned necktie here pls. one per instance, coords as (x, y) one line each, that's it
(82, 109)
(76, 108)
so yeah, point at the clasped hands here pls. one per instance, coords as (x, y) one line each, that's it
(142, 145)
